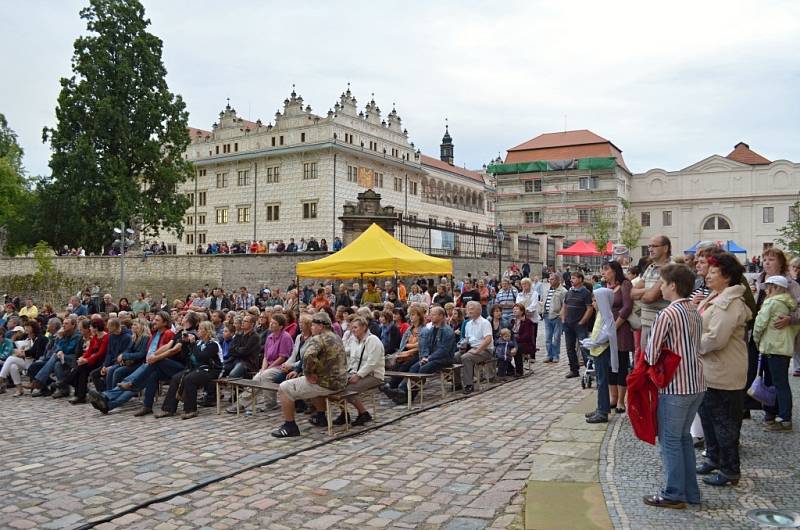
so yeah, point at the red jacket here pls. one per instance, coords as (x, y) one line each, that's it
(165, 337)
(643, 384)
(96, 351)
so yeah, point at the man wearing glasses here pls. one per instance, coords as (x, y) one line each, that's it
(659, 250)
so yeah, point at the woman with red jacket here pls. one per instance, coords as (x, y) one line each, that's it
(92, 356)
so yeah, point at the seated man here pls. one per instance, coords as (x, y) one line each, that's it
(437, 345)
(66, 349)
(325, 373)
(160, 347)
(365, 366)
(119, 340)
(478, 332)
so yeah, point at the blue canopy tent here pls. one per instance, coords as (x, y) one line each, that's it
(728, 245)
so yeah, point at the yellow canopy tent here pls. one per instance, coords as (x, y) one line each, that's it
(374, 253)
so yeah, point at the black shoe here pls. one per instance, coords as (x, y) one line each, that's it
(340, 420)
(362, 418)
(620, 410)
(208, 403)
(144, 411)
(77, 401)
(718, 479)
(660, 502)
(571, 374)
(319, 419)
(468, 389)
(98, 401)
(597, 418)
(287, 430)
(590, 414)
(59, 394)
(705, 468)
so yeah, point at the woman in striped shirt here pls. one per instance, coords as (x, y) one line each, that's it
(678, 327)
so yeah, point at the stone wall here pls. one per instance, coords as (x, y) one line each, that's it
(179, 275)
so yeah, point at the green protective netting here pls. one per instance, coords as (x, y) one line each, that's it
(606, 162)
(543, 165)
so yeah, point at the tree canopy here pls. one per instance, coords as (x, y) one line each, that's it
(118, 146)
(16, 197)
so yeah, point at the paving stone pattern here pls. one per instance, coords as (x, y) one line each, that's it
(461, 465)
(630, 468)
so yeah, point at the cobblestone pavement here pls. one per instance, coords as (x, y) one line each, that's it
(630, 468)
(460, 465)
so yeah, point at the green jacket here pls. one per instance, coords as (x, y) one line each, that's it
(770, 340)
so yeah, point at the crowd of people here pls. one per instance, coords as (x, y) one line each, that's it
(278, 246)
(721, 334)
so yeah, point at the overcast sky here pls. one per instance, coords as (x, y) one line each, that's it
(669, 84)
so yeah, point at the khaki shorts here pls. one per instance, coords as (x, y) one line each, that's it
(300, 388)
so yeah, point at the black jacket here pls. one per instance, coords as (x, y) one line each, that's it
(225, 303)
(246, 348)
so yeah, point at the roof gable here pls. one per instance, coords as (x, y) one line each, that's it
(714, 163)
(561, 139)
(742, 153)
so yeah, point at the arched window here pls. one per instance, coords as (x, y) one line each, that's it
(716, 222)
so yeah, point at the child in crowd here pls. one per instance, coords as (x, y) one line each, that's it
(777, 347)
(504, 350)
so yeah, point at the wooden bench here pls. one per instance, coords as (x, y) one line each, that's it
(255, 388)
(414, 381)
(221, 382)
(448, 376)
(340, 399)
(485, 370)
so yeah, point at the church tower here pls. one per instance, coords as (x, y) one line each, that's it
(446, 148)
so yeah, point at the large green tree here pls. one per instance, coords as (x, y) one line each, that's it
(118, 148)
(16, 197)
(790, 233)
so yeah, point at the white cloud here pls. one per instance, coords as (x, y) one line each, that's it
(669, 83)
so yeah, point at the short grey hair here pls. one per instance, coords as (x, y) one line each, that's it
(55, 322)
(473, 303)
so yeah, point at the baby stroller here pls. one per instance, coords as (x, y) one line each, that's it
(588, 374)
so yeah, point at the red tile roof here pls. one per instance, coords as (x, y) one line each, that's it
(444, 166)
(198, 133)
(743, 154)
(246, 124)
(564, 145)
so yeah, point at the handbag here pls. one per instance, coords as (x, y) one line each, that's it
(635, 320)
(759, 390)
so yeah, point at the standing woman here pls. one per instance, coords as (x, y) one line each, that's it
(524, 334)
(794, 270)
(724, 356)
(678, 328)
(529, 297)
(621, 308)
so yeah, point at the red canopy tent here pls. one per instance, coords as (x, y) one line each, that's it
(582, 248)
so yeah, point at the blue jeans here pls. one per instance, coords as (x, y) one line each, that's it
(53, 365)
(552, 337)
(778, 367)
(675, 415)
(573, 334)
(117, 373)
(602, 365)
(431, 367)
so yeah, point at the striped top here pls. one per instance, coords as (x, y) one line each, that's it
(548, 300)
(678, 327)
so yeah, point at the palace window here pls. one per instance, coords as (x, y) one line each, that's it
(398, 184)
(310, 210)
(243, 178)
(201, 198)
(201, 219)
(588, 183)
(222, 180)
(377, 180)
(302, 137)
(666, 218)
(201, 238)
(533, 217)
(768, 215)
(222, 216)
(528, 186)
(243, 214)
(645, 219)
(273, 212)
(583, 216)
(412, 187)
(352, 174)
(716, 222)
(273, 175)
(309, 170)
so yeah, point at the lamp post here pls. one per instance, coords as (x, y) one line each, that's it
(500, 234)
(123, 241)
